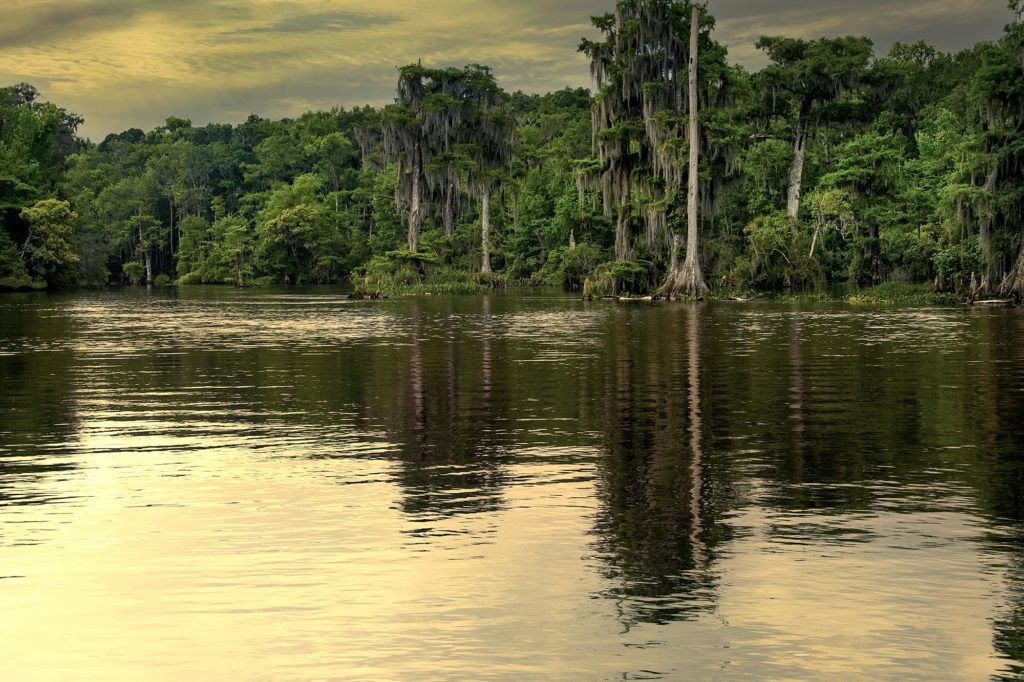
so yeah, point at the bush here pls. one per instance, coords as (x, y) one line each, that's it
(18, 283)
(779, 257)
(405, 273)
(134, 271)
(911, 253)
(569, 266)
(901, 292)
(624, 277)
(13, 274)
(955, 263)
(395, 269)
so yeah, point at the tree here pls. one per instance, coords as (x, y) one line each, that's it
(646, 123)
(195, 245)
(237, 242)
(49, 248)
(690, 279)
(36, 138)
(803, 79)
(288, 243)
(485, 138)
(437, 116)
(1001, 88)
(333, 153)
(867, 168)
(405, 142)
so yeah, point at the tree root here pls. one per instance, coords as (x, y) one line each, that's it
(1013, 284)
(686, 281)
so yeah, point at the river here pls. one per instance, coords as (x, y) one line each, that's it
(284, 484)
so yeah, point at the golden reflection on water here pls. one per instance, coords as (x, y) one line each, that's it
(520, 488)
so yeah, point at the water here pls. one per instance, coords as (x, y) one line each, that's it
(211, 484)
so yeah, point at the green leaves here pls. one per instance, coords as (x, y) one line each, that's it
(49, 248)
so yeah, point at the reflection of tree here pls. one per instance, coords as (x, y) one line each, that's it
(998, 404)
(1008, 635)
(37, 415)
(657, 530)
(696, 437)
(453, 442)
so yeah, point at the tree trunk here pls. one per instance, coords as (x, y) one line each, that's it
(238, 269)
(796, 172)
(623, 236)
(485, 230)
(171, 202)
(1013, 285)
(688, 278)
(449, 212)
(149, 268)
(28, 241)
(415, 214)
(814, 242)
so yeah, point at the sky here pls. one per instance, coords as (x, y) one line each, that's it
(133, 63)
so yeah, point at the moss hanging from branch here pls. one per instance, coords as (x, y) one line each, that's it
(437, 113)
(641, 124)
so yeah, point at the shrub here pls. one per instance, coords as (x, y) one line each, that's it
(569, 266)
(624, 277)
(134, 271)
(779, 257)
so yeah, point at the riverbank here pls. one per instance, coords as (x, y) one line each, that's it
(467, 284)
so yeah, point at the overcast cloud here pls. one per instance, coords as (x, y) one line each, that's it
(132, 63)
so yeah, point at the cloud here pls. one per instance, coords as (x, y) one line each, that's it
(338, 21)
(131, 63)
(948, 24)
(32, 22)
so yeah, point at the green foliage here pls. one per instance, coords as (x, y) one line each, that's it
(779, 257)
(903, 293)
(624, 278)
(408, 272)
(955, 263)
(395, 269)
(765, 167)
(134, 272)
(13, 275)
(48, 251)
(569, 266)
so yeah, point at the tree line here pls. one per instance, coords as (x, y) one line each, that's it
(680, 172)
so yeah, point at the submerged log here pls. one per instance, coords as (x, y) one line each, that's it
(996, 303)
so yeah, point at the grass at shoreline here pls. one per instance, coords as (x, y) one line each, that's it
(895, 292)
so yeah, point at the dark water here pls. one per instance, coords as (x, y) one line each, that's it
(213, 484)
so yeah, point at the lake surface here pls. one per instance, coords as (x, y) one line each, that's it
(286, 485)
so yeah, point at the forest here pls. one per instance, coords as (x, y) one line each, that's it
(681, 174)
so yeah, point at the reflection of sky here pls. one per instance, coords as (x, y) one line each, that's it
(296, 568)
(131, 63)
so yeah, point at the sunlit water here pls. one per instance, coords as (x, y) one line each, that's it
(212, 484)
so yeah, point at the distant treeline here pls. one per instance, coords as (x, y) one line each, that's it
(830, 164)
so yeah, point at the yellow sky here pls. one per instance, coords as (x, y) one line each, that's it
(132, 63)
